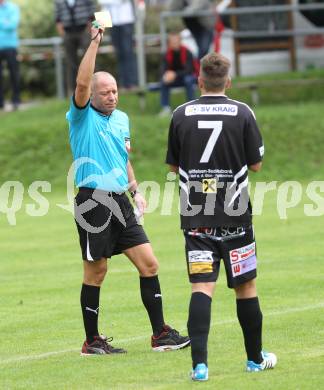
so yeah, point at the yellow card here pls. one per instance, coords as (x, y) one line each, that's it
(104, 18)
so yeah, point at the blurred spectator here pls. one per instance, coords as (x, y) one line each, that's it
(9, 21)
(178, 70)
(201, 27)
(73, 19)
(123, 20)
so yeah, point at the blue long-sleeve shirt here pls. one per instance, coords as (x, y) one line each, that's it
(9, 22)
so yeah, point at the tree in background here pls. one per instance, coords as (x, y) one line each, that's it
(37, 18)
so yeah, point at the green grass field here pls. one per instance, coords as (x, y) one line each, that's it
(41, 323)
(40, 269)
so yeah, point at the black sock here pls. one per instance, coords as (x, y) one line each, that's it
(198, 326)
(250, 318)
(152, 300)
(89, 300)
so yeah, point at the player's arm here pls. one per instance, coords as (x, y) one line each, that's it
(138, 198)
(253, 144)
(256, 167)
(86, 68)
(173, 151)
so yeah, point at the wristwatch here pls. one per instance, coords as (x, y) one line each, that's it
(133, 193)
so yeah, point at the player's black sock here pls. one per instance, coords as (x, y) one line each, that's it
(152, 300)
(89, 300)
(198, 326)
(250, 317)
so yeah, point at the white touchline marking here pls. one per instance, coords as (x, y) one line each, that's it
(134, 339)
(37, 357)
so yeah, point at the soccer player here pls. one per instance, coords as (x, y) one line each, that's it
(213, 141)
(99, 138)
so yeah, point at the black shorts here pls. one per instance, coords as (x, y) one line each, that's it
(106, 224)
(205, 247)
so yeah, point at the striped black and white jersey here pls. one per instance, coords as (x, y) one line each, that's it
(213, 140)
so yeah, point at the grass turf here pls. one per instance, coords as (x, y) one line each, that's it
(41, 325)
(40, 270)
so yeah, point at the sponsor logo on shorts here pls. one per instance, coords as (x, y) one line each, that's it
(232, 231)
(244, 266)
(243, 259)
(197, 256)
(207, 109)
(200, 262)
(239, 254)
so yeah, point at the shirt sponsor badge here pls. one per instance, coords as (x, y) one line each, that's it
(211, 109)
(209, 186)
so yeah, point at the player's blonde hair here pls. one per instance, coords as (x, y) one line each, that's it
(214, 72)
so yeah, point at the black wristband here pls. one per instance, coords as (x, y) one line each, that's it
(133, 193)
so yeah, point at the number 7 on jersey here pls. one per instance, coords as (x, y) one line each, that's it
(217, 128)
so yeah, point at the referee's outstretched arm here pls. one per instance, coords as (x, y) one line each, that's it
(87, 67)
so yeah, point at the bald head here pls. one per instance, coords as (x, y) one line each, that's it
(104, 92)
(100, 78)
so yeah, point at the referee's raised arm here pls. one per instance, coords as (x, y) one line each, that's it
(87, 67)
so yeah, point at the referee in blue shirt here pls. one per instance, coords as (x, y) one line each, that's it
(100, 139)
